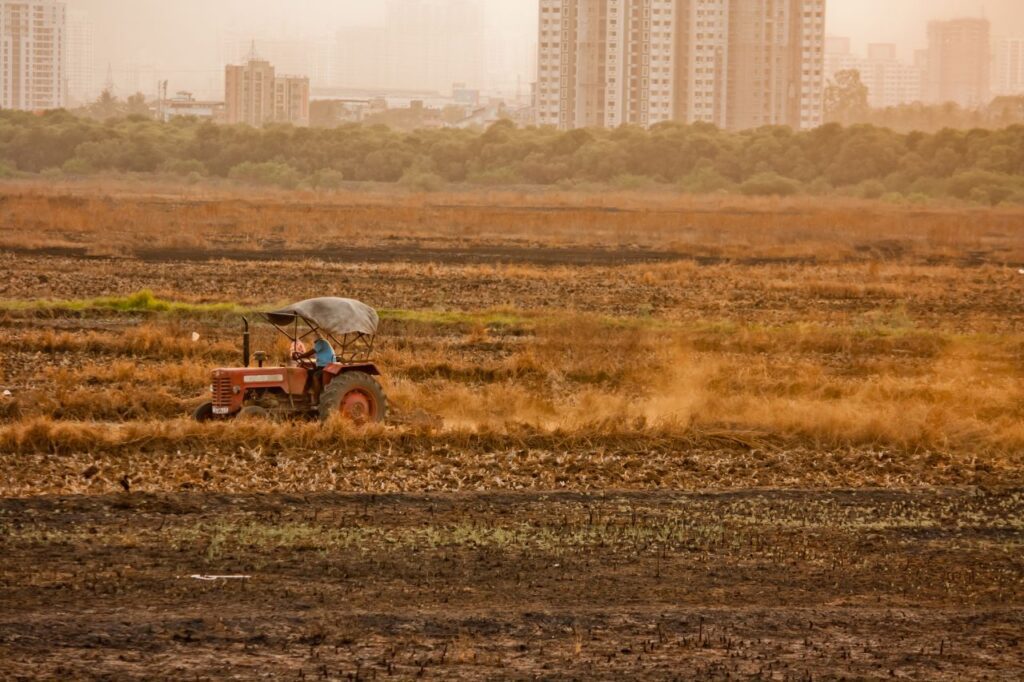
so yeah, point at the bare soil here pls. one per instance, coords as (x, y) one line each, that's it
(866, 584)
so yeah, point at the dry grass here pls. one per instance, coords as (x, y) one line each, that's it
(582, 375)
(902, 337)
(115, 221)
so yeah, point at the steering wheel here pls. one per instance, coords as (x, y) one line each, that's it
(305, 363)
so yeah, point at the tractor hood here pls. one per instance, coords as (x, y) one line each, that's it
(337, 316)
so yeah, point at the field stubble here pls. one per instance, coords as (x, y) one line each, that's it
(611, 348)
(569, 402)
(755, 585)
(792, 326)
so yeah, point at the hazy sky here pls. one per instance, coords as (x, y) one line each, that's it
(184, 38)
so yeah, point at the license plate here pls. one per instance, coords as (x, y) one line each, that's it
(221, 410)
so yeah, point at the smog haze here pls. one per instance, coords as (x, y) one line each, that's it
(187, 42)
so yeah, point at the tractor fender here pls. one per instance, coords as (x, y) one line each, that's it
(336, 368)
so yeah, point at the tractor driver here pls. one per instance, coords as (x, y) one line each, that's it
(324, 355)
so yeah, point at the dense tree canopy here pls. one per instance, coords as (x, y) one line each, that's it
(980, 165)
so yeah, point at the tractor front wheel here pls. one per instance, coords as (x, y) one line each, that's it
(355, 396)
(252, 413)
(204, 412)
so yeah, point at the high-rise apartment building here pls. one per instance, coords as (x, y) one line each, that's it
(1008, 63)
(959, 62)
(702, 74)
(32, 54)
(605, 62)
(776, 63)
(256, 95)
(889, 81)
(733, 63)
(291, 100)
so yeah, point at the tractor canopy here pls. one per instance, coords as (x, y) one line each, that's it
(336, 316)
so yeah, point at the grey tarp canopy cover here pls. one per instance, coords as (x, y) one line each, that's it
(338, 316)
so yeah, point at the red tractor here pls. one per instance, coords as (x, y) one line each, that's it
(347, 386)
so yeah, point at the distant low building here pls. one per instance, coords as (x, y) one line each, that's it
(254, 94)
(465, 96)
(185, 104)
(331, 113)
(481, 117)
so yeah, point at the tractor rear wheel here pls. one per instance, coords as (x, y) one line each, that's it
(355, 396)
(204, 412)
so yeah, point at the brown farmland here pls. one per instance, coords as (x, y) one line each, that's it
(634, 435)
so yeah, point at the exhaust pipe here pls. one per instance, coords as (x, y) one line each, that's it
(245, 342)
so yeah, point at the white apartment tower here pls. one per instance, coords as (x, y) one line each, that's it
(32, 54)
(809, 63)
(776, 63)
(732, 63)
(605, 62)
(702, 80)
(1008, 66)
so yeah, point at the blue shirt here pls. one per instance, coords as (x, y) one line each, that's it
(324, 353)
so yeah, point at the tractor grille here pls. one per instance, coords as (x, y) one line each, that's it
(222, 392)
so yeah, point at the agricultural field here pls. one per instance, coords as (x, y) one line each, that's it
(631, 434)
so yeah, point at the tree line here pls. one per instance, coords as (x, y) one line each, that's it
(861, 160)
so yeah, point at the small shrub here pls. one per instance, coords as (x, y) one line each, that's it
(183, 167)
(267, 173)
(629, 181)
(705, 181)
(770, 184)
(984, 187)
(820, 187)
(872, 189)
(497, 176)
(329, 179)
(77, 166)
(422, 181)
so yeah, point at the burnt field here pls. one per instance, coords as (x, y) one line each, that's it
(631, 436)
(763, 585)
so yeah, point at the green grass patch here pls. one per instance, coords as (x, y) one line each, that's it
(140, 302)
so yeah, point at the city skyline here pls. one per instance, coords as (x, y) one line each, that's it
(734, 63)
(136, 54)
